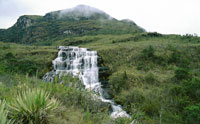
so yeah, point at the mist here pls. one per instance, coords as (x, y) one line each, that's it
(81, 10)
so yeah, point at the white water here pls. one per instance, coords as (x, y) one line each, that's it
(82, 62)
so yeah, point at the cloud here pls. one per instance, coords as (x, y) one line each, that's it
(82, 10)
(10, 10)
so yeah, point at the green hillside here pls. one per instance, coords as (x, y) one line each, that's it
(57, 25)
(155, 77)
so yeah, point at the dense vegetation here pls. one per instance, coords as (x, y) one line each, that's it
(155, 77)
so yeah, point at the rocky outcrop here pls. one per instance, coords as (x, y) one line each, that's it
(26, 21)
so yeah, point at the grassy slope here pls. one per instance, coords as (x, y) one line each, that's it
(26, 59)
(144, 76)
(143, 67)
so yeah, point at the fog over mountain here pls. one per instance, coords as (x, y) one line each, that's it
(166, 16)
(83, 10)
(78, 12)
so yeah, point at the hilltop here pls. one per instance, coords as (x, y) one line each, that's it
(78, 21)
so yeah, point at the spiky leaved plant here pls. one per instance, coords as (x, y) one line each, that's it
(4, 113)
(33, 106)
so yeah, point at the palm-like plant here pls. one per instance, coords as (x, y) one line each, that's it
(4, 113)
(32, 106)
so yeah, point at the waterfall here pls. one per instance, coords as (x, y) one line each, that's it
(82, 62)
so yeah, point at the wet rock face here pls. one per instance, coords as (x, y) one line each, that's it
(49, 76)
(104, 74)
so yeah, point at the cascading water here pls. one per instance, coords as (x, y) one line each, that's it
(82, 62)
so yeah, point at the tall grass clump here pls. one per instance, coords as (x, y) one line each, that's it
(4, 114)
(33, 106)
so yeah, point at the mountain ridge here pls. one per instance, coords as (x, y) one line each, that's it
(78, 21)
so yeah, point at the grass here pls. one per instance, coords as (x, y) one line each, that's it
(26, 59)
(154, 77)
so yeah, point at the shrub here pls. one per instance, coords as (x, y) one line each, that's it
(175, 57)
(154, 34)
(178, 58)
(143, 66)
(32, 106)
(192, 88)
(123, 121)
(6, 46)
(4, 114)
(148, 53)
(117, 82)
(182, 74)
(192, 113)
(150, 78)
(10, 62)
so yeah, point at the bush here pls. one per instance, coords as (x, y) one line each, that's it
(150, 78)
(10, 62)
(148, 53)
(192, 113)
(143, 66)
(182, 74)
(192, 88)
(179, 59)
(32, 106)
(123, 121)
(118, 82)
(175, 57)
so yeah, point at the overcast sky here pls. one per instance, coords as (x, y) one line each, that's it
(163, 16)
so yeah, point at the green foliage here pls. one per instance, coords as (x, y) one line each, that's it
(191, 38)
(138, 37)
(179, 59)
(32, 106)
(192, 113)
(4, 113)
(26, 59)
(182, 74)
(148, 53)
(118, 82)
(123, 121)
(12, 64)
(150, 78)
(192, 88)
(186, 96)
